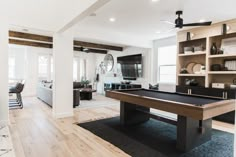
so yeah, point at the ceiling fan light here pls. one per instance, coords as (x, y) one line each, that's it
(192, 35)
(202, 20)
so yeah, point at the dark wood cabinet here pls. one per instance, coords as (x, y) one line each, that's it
(212, 92)
(208, 92)
(182, 89)
(114, 86)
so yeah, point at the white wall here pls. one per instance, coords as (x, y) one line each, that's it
(109, 76)
(4, 71)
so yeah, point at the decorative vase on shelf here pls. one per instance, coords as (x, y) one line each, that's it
(213, 49)
(224, 29)
(188, 38)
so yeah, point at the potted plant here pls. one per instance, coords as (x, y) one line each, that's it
(85, 82)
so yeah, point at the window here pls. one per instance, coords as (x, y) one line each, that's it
(12, 62)
(167, 64)
(75, 69)
(79, 69)
(17, 63)
(45, 67)
(82, 69)
(51, 68)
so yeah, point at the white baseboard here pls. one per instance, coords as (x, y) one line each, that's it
(63, 115)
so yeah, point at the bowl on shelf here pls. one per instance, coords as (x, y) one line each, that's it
(191, 82)
(188, 50)
(198, 49)
(233, 86)
(215, 67)
(183, 71)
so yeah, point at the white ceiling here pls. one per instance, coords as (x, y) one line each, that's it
(138, 20)
(43, 15)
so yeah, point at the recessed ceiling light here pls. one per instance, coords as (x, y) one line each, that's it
(93, 14)
(155, 0)
(202, 20)
(158, 32)
(112, 19)
(25, 30)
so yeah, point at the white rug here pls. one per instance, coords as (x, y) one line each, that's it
(102, 101)
(6, 147)
(98, 101)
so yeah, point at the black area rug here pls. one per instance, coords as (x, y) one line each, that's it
(156, 139)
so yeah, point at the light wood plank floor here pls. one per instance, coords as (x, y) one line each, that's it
(35, 133)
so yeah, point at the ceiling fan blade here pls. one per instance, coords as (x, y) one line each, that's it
(168, 22)
(168, 31)
(198, 24)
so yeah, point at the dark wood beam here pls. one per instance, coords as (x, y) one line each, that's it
(97, 46)
(30, 43)
(97, 51)
(30, 36)
(90, 50)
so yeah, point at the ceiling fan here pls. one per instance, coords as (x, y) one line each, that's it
(179, 22)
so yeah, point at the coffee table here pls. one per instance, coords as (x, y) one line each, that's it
(86, 93)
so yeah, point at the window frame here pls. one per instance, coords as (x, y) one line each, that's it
(159, 66)
(159, 75)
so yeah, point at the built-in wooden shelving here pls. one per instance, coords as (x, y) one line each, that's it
(192, 54)
(222, 56)
(222, 72)
(205, 37)
(193, 75)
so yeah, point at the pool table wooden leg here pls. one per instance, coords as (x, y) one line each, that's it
(130, 114)
(190, 134)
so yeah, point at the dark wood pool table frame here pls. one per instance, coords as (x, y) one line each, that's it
(194, 123)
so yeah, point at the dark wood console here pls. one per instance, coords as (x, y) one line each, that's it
(212, 92)
(113, 86)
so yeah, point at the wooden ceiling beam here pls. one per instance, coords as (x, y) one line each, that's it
(90, 50)
(97, 46)
(30, 36)
(97, 51)
(30, 43)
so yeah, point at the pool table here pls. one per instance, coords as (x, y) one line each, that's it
(194, 113)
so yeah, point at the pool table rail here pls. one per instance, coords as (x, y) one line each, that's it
(184, 109)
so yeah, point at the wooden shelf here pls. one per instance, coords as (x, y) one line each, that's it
(222, 56)
(222, 72)
(192, 54)
(205, 37)
(194, 40)
(193, 75)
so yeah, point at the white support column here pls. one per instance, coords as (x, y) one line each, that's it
(63, 75)
(152, 65)
(4, 72)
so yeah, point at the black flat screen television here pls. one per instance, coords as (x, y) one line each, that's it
(131, 66)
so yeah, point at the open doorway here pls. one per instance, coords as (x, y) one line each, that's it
(28, 66)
